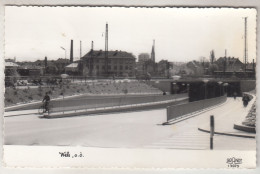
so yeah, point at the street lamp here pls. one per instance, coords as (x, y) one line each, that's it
(220, 87)
(205, 81)
(225, 85)
(188, 87)
(174, 87)
(65, 51)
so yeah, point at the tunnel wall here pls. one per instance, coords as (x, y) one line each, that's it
(247, 85)
(162, 85)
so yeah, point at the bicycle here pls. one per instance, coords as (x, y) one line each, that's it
(42, 109)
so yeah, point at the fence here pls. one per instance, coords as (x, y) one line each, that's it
(90, 103)
(183, 109)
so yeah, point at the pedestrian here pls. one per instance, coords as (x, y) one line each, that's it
(245, 100)
(235, 95)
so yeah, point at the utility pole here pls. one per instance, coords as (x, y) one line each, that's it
(106, 51)
(225, 63)
(71, 51)
(245, 53)
(80, 50)
(91, 58)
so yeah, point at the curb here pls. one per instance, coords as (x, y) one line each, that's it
(227, 134)
(193, 114)
(245, 128)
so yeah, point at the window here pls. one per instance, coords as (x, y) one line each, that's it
(97, 67)
(115, 67)
(121, 67)
(109, 67)
(126, 67)
(103, 67)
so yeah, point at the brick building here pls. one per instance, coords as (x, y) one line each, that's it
(119, 64)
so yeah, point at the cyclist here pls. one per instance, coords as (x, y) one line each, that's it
(46, 101)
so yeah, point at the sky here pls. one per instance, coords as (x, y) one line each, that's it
(180, 34)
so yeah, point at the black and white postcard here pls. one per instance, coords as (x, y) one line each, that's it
(116, 87)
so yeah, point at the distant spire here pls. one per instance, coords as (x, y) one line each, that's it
(153, 52)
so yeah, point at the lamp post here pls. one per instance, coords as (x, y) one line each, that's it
(65, 51)
(225, 87)
(220, 87)
(205, 81)
(188, 88)
(174, 87)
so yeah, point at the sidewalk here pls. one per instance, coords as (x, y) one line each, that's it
(226, 116)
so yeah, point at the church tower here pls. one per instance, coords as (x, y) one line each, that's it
(153, 52)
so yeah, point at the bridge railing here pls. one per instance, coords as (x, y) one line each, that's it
(88, 103)
(176, 111)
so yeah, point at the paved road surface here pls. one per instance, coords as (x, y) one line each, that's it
(130, 130)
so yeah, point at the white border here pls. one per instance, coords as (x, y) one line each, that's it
(191, 3)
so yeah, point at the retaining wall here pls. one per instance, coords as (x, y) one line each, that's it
(86, 103)
(183, 109)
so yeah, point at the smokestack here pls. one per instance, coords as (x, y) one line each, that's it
(92, 45)
(45, 62)
(253, 65)
(45, 65)
(71, 51)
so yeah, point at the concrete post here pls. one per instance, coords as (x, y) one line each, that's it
(211, 131)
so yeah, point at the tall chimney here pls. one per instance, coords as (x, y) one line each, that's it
(92, 45)
(71, 51)
(45, 62)
(253, 65)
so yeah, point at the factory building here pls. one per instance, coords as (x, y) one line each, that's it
(114, 64)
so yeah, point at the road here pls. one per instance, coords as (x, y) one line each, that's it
(141, 129)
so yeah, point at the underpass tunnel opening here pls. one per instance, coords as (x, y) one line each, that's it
(179, 87)
(232, 88)
(200, 90)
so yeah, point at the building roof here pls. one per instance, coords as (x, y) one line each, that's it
(111, 54)
(29, 66)
(72, 65)
(62, 60)
(229, 60)
(11, 64)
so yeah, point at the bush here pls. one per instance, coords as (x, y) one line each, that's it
(9, 100)
(15, 92)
